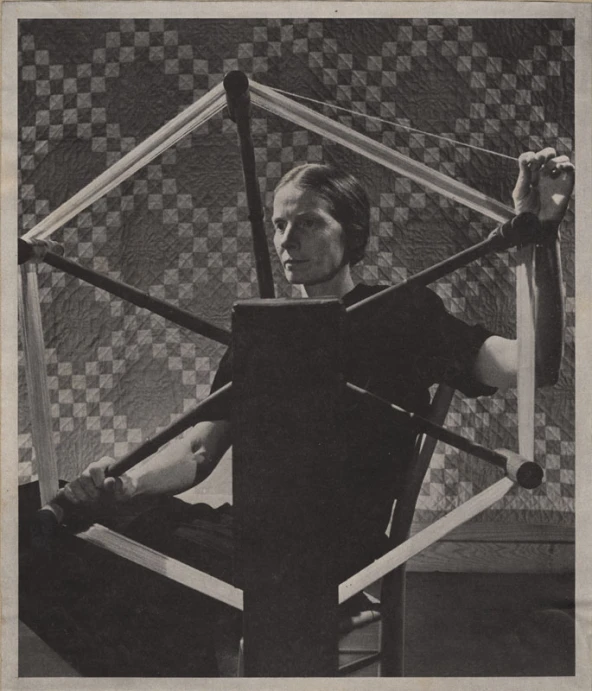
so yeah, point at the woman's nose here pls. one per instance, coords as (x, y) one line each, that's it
(289, 236)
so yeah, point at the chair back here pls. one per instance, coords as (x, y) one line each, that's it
(392, 597)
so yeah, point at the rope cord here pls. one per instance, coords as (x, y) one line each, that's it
(395, 124)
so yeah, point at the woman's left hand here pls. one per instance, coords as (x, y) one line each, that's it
(544, 186)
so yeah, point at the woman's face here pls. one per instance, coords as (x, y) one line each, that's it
(308, 240)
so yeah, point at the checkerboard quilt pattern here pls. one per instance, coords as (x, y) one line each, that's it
(90, 91)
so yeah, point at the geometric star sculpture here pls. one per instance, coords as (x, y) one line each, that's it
(197, 114)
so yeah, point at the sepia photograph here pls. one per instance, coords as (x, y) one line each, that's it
(289, 382)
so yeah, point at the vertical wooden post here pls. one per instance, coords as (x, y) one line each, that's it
(237, 94)
(289, 450)
(38, 389)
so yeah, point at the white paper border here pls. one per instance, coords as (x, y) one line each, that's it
(582, 13)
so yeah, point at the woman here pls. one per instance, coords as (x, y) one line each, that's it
(321, 222)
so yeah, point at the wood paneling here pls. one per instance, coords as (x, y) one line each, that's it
(500, 548)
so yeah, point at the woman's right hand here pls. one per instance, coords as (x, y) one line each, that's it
(92, 484)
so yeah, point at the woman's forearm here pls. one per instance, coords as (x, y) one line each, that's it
(183, 463)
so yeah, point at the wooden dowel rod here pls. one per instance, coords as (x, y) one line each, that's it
(166, 566)
(427, 276)
(272, 101)
(237, 93)
(530, 477)
(391, 560)
(405, 505)
(37, 385)
(420, 424)
(165, 137)
(519, 230)
(140, 299)
(202, 411)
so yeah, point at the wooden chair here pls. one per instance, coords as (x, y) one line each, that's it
(382, 624)
(387, 616)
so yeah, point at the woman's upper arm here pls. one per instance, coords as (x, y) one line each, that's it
(497, 362)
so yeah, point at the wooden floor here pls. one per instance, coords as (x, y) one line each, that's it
(457, 625)
(86, 612)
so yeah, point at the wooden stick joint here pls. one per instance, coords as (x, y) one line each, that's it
(35, 249)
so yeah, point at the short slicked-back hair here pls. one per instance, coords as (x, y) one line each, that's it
(347, 198)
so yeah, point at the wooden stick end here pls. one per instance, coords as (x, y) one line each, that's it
(527, 474)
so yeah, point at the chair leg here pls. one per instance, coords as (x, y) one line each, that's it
(393, 624)
(240, 665)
